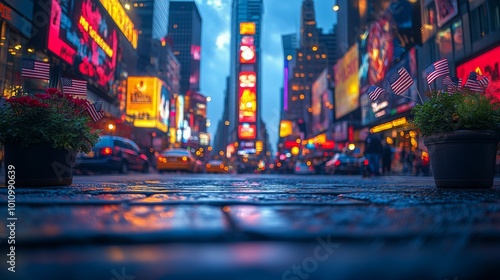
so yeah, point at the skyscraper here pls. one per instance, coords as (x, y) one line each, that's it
(246, 30)
(184, 30)
(290, 46)
(311, 60)
(152, 21)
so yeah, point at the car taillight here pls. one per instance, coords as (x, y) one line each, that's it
(297, 168)
(337, 162)
(184, 159)
(208, 165)
(366, 162)
(162, 159)
(106, 151)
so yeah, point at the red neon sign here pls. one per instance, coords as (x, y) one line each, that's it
(88, 41)
(487, 64)
(247, 131)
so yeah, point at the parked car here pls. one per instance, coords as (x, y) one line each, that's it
(178, 159)
(113, 153)
(343, 163)
(304, 167)
(216, 166)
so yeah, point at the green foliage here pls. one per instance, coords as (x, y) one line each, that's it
(463, 109)
(54, 118)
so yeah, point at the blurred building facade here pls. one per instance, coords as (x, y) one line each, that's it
(184, 31)
(248, 139)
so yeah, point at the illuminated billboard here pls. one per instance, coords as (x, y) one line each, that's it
(164, 109)
(321, 104)
(391, 104)
(386, 40)
(347, 83)
(247, 50)
(82, 34)
(247, 131)
(122, 20)
(247, 54)
(247, 28)
(486, 64)
(247, 111)
(147, 102)
(286, 128)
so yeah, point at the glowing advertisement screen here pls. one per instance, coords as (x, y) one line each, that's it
(247, 131)
(163, 109)
(347, 83)
(247, 28)
(247, 97)
(84, 36)
(486, 64)
(391, 104)
(321, 104)
(148, 102)
(386, 40)
(247, 50)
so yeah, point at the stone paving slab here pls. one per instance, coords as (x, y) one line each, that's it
(253, 227)
(320, 260)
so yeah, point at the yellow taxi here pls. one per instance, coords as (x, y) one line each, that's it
(177, 160)
(216, 166)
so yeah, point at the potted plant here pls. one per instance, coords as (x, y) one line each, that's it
(42, 134)
(460, 129)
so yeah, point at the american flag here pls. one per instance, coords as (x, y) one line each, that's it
(35, 69)
(74, 87)
(374, 92)
(400, 81)
(484, 81)
(93, 112)
(436, 70)
(452, 83)
(473, 84)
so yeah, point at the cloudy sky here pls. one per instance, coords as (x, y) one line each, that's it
(280, 17)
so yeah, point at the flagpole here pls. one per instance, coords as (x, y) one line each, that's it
(416, 100)
(418, 92)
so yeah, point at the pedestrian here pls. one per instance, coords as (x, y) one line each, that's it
(402, 160)
(410, 158)
(373, 151)
(386, 159)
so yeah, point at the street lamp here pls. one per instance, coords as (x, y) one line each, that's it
(127, 5)
(111, 128)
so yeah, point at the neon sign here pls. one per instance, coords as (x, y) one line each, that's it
(122, 20)
(247, 28)
(247, 97)
(247, 131)
(80, 34)
(94, 35)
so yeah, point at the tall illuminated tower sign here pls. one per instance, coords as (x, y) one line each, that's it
(247, 83)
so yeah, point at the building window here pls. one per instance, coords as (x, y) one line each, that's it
(494, 8)
(431, 19)
(479, 23)
(444, 41)
(458, 42)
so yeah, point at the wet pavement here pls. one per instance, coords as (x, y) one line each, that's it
(184, 226)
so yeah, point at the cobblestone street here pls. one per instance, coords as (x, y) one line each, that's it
(181, 226)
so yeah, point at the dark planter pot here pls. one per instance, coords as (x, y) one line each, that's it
(463, 158)
(38, 165)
